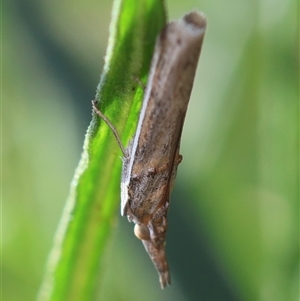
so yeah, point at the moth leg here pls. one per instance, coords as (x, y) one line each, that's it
(143, 86)
(108, 122)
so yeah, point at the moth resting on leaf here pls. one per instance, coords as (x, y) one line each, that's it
(150, 161)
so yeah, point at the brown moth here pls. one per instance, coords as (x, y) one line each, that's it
(150, 161)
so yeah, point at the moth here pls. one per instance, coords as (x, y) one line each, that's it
(151, 159)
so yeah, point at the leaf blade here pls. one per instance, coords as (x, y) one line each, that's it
(89, 214)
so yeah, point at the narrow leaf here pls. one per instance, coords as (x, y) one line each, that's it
(91, 209)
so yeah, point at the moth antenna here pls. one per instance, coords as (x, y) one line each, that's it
(143, 86)
(108, 122)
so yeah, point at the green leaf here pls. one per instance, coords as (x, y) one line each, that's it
(91, 209)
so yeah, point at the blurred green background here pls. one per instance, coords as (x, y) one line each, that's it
(234, 219)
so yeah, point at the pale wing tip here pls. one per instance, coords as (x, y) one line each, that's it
(196, 21)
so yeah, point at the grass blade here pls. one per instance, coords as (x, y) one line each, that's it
(90, 211)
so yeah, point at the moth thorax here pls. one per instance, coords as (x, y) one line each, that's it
(141, 232)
